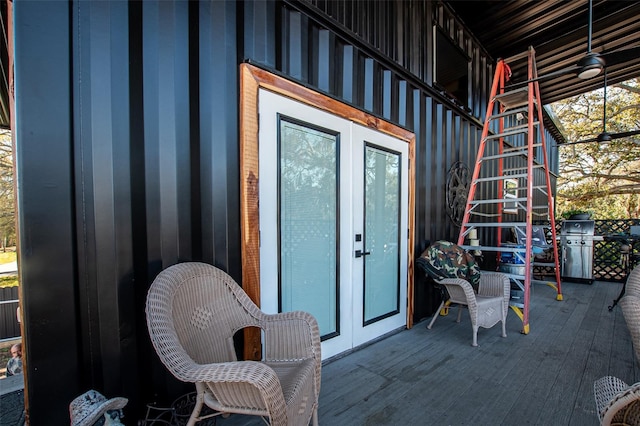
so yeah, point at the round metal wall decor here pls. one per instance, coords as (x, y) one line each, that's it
(458, 181)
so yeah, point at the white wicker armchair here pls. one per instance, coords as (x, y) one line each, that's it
(616, 402)
(486, 308)
(630, 305)
(193, 311)
(632, 286)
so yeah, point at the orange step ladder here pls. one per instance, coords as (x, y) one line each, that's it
(510, 186)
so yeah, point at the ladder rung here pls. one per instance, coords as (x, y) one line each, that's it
(514, 98)
(509, 93)
(484, 214)
(520, 130)
(504, 155)
(516, 169)
(522, 148)
(497, 201)
(503, 177)
(494, 224)
(508, 113)
(545, 264)
(497, 249)
(512, 131)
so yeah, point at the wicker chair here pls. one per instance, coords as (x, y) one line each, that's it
(632, 286)
(616, 402)
(486, 308)
(193, 311)
(630, 305)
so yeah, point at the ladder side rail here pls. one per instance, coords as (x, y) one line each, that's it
(485, 132)
(500, 183)
(552, 215)
(529, 216)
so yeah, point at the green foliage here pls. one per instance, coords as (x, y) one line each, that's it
(7, 200)
(568, 213)
(601, 177)
(9, 281)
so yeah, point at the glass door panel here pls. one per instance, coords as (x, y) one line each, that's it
(308, 237)
(382, 233)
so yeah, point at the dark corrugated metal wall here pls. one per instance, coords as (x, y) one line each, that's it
(128, 155)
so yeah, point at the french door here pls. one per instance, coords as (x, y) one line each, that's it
(333, 222)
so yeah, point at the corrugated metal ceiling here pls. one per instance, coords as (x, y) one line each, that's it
(558, 31)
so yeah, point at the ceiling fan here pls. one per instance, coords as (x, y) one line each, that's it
(605, 136)
(593, 63)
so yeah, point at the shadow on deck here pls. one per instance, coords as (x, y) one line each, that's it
(430, 377)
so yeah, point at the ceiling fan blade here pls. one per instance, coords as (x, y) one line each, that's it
(582, 141)
(621, 56)
(612, 136)
(563, 71)
(625, 134)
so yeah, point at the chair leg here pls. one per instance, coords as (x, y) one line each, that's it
(459, 313)
(475, 336)
(315, 417)
(195, 414)
(435, 315)
(504, 318)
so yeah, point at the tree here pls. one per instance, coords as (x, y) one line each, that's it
(603, 177)
(7, 201)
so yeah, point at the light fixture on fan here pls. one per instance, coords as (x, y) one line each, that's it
(590, 66)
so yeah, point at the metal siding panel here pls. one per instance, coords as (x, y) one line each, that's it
(260, 31)
(165, 29)
(45, 207)
(324, 60)
(103, 179)
(403, 106)
(294, 40)
(219, 135)
(348, 73)
(368, 84)
(386, 94)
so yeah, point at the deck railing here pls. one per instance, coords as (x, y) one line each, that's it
(610, 261)
(9, 325)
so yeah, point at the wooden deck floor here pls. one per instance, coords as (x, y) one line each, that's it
(435, 377)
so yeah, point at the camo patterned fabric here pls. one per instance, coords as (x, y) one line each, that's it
(444, 259)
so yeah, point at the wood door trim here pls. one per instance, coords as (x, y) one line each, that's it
(252, 79)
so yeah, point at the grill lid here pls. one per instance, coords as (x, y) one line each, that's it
(577, 227)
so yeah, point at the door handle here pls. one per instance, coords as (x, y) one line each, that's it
(360, 253)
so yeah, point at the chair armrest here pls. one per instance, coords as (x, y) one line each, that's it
(460, 291)
(291, 336)
(494, 284)
(613, 395)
